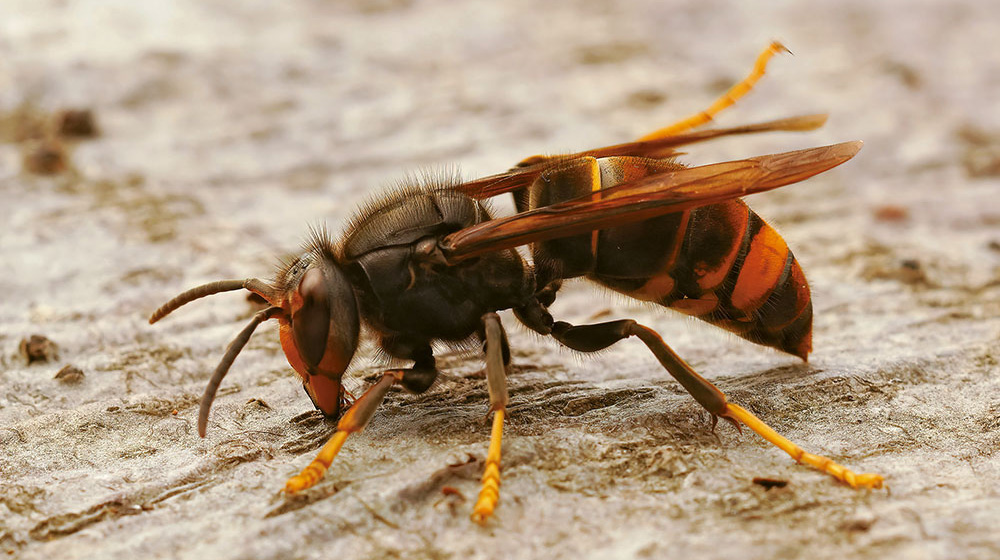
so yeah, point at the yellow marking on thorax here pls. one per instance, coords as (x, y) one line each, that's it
(595, 187)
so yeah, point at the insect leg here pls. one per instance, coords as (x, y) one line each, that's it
(590, 338)
(497, 366)
(726, 100)
(354, 420)
(416, 379)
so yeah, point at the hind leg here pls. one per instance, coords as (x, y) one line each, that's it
(723, 102)
(591, 338)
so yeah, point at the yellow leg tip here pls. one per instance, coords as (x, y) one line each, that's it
(307, 478)
(842, 473)
(778, 47)
(316, 470)
(300, 482)
(489, 496)
(482, 513)
(869, 481)
(295, 485)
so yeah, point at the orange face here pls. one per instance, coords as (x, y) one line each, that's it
(324, 391)
(319, 331)
(291, 351)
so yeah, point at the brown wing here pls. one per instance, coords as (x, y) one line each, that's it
(524, 175)
(645, 198)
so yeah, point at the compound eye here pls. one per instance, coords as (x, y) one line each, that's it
(311, 320)
(293, 271)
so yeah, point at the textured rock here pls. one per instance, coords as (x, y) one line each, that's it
(226, 130)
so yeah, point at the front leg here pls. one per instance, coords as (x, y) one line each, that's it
(354, 420)
(358, 416)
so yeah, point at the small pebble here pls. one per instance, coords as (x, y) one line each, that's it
(70, 374)
(38, 348)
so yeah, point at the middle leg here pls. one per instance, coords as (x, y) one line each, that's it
(497, 367)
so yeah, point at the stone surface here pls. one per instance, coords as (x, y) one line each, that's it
(223, 130)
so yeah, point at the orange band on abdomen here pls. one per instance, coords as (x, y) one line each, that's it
(761, 270)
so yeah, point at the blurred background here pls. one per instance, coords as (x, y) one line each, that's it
(149, 147)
